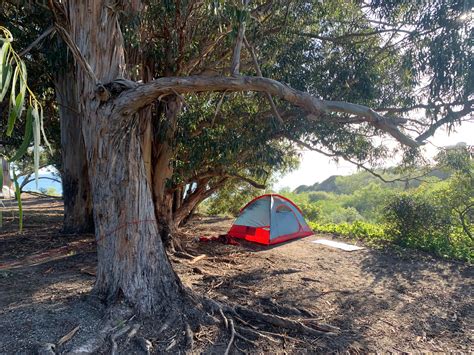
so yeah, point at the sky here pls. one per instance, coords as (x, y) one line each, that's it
(315, 167)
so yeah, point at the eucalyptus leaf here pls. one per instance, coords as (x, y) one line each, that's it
(13, 112)
(5, 77)
(26, 138)
(36, 140)
(4, 53)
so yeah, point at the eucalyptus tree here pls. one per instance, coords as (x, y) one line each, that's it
(50, 75)
(129, 127)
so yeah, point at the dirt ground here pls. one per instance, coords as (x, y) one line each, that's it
(380, 301)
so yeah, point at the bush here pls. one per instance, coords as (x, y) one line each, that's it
(310, 211)
(319, 196)
(417, 221)
(344, 214)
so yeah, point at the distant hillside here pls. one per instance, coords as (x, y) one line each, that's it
(328, 185)
(339, 184)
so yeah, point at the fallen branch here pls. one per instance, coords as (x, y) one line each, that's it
(115, 336)
(281, 322)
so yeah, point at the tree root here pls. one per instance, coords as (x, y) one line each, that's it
(239, 313)
(188, 314)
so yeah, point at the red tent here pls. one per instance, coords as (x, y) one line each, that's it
(270, 219)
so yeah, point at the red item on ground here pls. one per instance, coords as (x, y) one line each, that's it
(223, 238)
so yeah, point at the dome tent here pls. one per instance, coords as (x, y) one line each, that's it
(270, 219)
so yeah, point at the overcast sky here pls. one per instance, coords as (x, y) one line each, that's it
(315, 167)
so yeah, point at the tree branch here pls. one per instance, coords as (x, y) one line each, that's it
(345, 37)
(235, 65)
(359, 165)
(452, 116)
(132, 100)
(427, 106)
(46, 33)
(259, 73)
(247, 180)
(77, 53)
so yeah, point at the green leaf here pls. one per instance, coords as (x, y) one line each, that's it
(41, 118)
(5, 77)
(12, 114)
(26, 137)
(36, 140)
(4, 53)
(18, 200)
(5, 70)
(17, 101)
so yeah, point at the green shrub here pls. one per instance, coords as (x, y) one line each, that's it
(319, 196)
(310, 211)
(418, 221)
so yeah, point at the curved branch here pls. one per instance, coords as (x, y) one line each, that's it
(247, 180)
(45, 34)
(359, 165)
(132, 100)
(452, 116)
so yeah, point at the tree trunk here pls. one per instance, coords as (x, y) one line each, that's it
(193, 199)
(164, 135)
(74, 173)
(132, 262)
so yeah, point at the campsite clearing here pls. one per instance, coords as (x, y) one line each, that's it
(379, 300)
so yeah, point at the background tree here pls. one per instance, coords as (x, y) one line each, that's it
(227, 146)
(49, 66)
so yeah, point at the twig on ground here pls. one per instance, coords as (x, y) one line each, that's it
(226, 322)
(197, 258)
(132, 333)
(115, 336)
(257, 333)
(183, 255)
(232, 336)
(68, 336)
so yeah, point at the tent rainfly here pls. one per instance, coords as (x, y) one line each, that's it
(270, 219)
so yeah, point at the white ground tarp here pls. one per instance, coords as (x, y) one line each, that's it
(338, 245)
